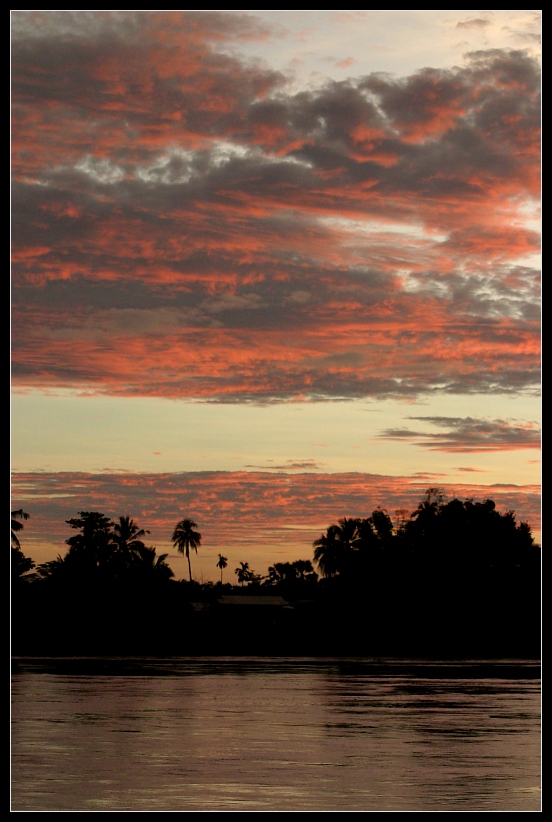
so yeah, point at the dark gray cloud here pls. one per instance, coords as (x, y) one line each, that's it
(468, 434)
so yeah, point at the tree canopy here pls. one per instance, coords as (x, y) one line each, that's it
(104, 552)
(438, 537)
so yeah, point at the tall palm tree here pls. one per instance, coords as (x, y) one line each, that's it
(184, 537)
(17, 526)
(222, 563)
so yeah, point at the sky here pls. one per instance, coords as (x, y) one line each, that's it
(272, 268)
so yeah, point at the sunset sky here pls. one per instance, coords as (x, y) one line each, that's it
(272, 268)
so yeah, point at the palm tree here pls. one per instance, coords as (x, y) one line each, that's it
(244, 574)
(126, 534)
(153, 566)
(327, 551)
(17, 526)
(126, 537)
(222, 563)
(127, 549)
(20, 564)
(184, 537)
(334, 551)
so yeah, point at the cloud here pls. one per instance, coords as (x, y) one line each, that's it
(468, 435)
(255, 515)
(470, 470)
(347, 62)
(131, 322)
(475, 23)
(186, 226)
(234, 302)
(290, 465)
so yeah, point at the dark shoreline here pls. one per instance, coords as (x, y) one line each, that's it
(390, 620)
(346, 665)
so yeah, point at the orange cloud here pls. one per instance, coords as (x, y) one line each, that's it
(255, 516)
(170, 199)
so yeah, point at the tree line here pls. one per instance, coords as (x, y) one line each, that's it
(437, 538)
(451, 578)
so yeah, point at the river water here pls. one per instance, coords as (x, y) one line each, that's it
(244, 734)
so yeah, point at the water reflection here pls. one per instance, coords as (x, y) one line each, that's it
(462, 739)
(216, 734)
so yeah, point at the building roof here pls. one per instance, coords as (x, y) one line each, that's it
(274, 601)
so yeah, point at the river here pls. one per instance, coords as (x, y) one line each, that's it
(244, 734)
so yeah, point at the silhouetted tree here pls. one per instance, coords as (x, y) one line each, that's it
(382, 525)
(466, 538)
(127, 535)
(292, 579)
(185, 538)
(288, 572)
(54, 569)
(152, 567)
(20, 564)
(142, 567)
(304, 569)
(328, 552)
(243, 572)
(337, 552)
(17, 526)
(128, 548)
(222, 563)
(102, 553)
(90, 551)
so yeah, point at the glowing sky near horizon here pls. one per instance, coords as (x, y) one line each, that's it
(272, 244)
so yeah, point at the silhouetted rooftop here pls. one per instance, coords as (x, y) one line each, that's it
(274, 601)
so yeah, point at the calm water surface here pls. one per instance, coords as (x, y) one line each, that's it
(260, 734)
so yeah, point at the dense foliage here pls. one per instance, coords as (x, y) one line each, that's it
(104, 552)
(438, 539)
